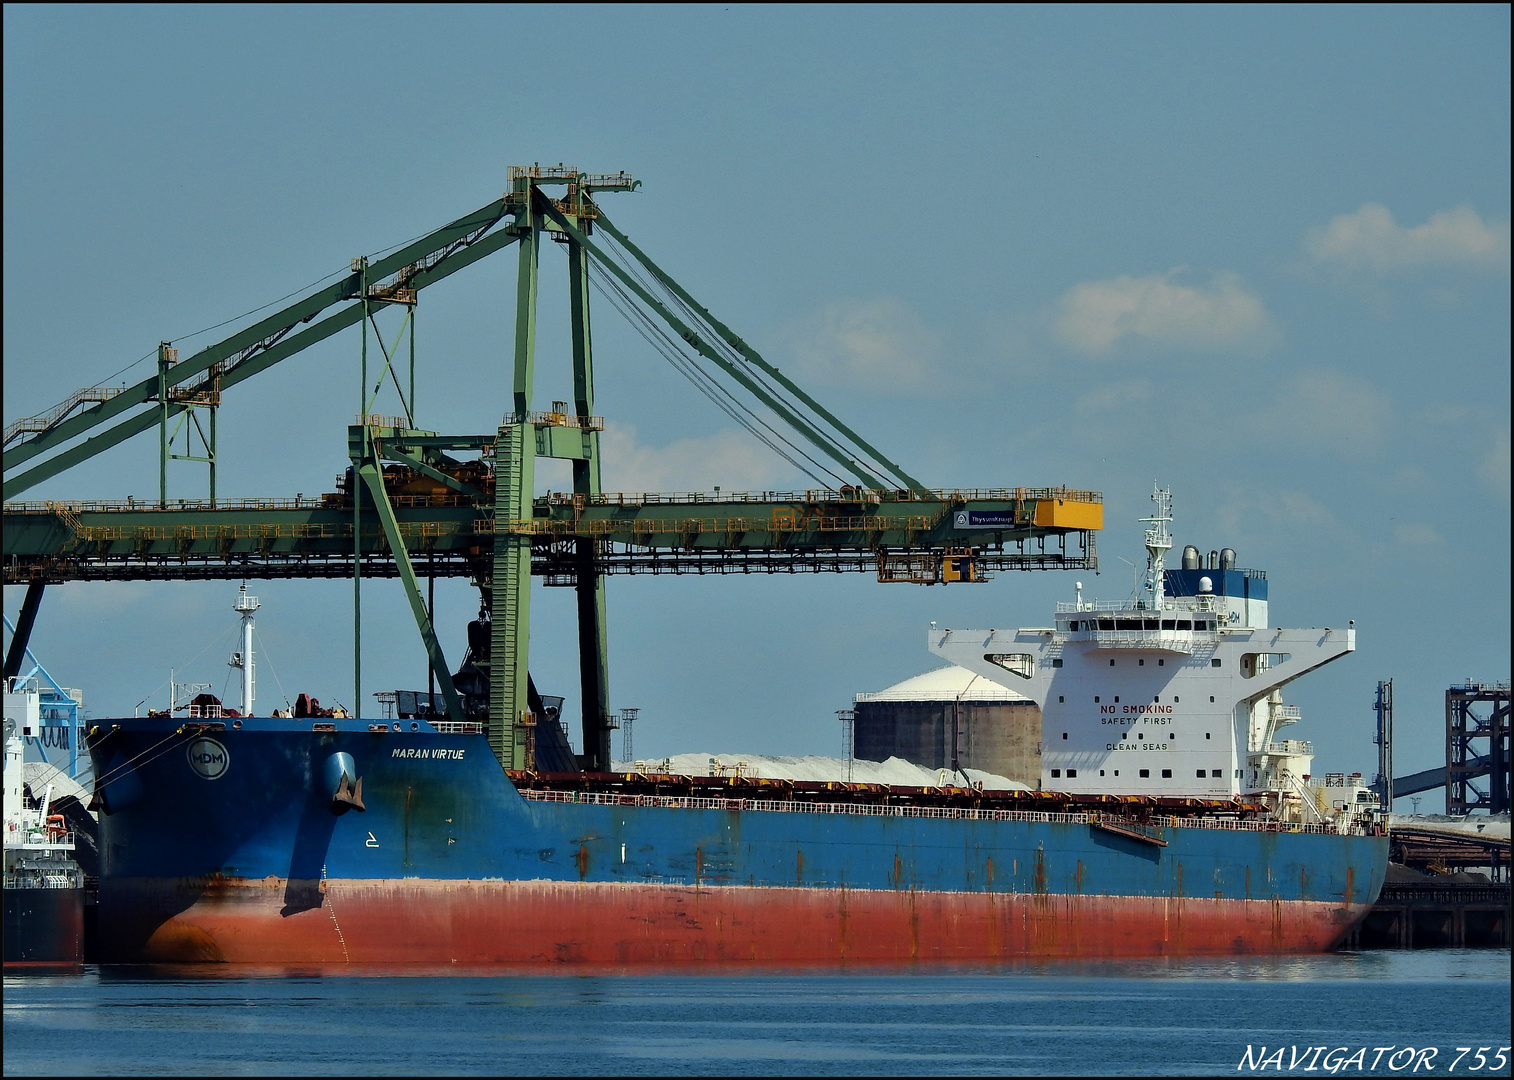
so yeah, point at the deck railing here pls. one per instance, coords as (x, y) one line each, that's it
(949, 813)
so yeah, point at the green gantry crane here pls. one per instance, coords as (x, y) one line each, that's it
(429, 513)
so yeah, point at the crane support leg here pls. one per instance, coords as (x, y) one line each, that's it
(511, 722)
(593, 660)
(24, 622)
(593, 667)
(374, 478)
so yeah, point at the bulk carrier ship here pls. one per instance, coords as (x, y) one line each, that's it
(1170, 820)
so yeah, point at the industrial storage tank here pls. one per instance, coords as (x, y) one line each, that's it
(951, 718)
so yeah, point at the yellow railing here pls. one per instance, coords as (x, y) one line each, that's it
(607, 526)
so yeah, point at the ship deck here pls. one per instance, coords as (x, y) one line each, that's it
(659, 786)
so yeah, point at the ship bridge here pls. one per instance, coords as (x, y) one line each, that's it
(1166, 693)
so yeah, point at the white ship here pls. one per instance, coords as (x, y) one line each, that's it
(1174, 692)
(44, 886)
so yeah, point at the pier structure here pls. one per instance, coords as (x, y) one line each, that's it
(1477, 744)
(1447, 887)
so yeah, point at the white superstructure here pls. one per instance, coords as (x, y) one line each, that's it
(37, 843)
(1174, 692)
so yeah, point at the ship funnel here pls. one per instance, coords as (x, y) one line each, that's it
(1190, 557)
(1214, 560)
(1227, 558)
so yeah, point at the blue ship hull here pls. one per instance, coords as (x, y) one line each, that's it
(228, 845)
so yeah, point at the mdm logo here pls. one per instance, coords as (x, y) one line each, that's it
(208, 758)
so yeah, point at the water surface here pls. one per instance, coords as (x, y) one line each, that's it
(1191, 1017)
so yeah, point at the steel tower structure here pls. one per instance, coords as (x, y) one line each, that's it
(483, 519)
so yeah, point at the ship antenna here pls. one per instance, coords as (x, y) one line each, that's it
(1158, 543)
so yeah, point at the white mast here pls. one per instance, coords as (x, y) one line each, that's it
(1158, 543)
(245, 606)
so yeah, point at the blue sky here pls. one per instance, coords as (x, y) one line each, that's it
(1258, 254)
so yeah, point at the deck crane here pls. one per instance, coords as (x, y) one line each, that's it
(417, 503)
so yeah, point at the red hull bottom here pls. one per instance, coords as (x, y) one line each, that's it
(542, 922)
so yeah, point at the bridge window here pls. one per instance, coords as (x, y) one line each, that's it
(1169, 624)
(1185, 624)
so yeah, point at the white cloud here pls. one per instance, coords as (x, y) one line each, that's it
(1418, 534)
(1256, 514)
(1329, 412)
(733, 459)
(880, 344)
(1494, 466)
(1371, 240)
(1163, 309)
